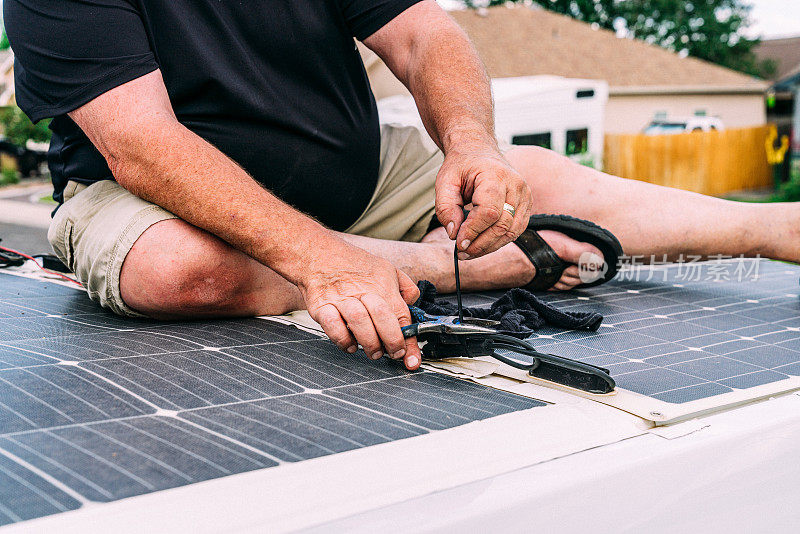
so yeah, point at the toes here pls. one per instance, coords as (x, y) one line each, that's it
(570, 250)
(585, 273)
(587, 260)
(571, 272)
(568, 281)
(561, 286)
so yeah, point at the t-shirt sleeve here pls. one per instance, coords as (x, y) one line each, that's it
(365, 17)
(68, 52)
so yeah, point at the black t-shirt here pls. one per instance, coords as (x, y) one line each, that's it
(277, 86)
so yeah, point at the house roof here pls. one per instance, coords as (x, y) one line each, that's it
(785, 52)
(524, 41)
(790, 80)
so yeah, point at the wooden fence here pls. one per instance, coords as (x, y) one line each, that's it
(712, 163)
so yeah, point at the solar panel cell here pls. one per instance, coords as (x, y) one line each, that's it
(432, 402)
(316, 364)
(232, 333)
(24, 495)
(300, 427)
(101, 346)
(21, 328)
(691, 393)
(117, 459)
(11, 357)
(191, 379)
(55, 395)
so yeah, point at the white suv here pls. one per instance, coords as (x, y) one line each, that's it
(677, 125)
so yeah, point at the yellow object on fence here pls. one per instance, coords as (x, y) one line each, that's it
(713, 163)
(775, 155)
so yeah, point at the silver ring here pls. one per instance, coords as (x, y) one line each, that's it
(509, 208)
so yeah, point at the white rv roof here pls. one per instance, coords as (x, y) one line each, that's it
(513, 88)
(526, 85)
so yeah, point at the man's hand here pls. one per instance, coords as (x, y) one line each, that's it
(360, 298)
(483, 177)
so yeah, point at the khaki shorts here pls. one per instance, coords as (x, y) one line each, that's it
(97, 225)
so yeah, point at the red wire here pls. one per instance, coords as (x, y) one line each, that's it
(39, 266)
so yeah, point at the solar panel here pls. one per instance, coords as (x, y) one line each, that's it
(95, 408)
(688, 344)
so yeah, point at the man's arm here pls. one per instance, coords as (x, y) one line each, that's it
(433, 57)
(348, 291)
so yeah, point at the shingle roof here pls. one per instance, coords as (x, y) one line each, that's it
(789, 80)
(523, 41)
(785, 52)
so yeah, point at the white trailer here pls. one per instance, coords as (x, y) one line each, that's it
(564, 114)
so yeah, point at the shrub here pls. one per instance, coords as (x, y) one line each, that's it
(790, 191)
(19, 129)
(9, 176)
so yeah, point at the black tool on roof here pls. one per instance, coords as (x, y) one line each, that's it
(470, 337)
(458, 285)
(10, 258)
(13, 258)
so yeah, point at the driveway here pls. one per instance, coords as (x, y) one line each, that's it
(24, 220)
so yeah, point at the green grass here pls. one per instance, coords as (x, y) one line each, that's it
(790, 191)
(8, 177)
(787, 192)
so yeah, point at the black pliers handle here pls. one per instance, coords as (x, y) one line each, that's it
(449, 337)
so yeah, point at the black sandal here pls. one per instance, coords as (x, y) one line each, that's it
(549, 267)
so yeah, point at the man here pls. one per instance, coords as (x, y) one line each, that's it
(252, 176)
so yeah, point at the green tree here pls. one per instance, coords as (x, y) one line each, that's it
(18, 129)
(705, 29)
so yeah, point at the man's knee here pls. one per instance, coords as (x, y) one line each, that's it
(535, 161)
(195, 287)
(196, 274)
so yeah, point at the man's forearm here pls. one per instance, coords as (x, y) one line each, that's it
(449, 84)
(452, 90)
(428, 52)
(194, 180)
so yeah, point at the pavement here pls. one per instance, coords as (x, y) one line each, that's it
(752, 195)
(23, 219)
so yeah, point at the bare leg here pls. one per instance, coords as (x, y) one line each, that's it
(177, 270)
(653, 220)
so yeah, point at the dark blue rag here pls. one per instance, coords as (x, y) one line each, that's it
(519, 312)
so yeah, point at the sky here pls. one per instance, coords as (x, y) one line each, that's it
(775, 18)
(771, 18)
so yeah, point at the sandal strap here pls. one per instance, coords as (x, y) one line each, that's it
(549, 267)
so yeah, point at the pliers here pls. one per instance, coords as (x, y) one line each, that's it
(446, 337)
(470, 337)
